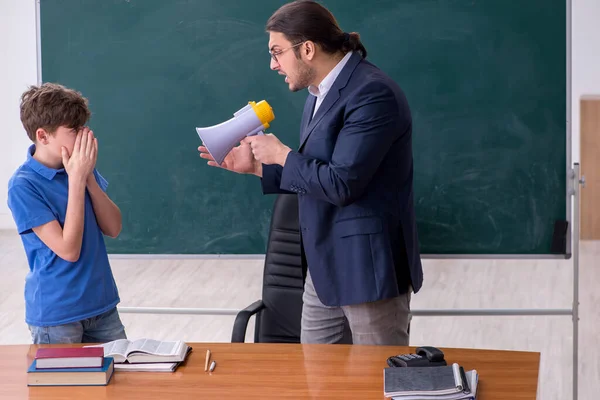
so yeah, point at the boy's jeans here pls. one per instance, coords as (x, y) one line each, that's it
(99, 329)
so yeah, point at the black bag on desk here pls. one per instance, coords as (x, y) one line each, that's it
(425, 356)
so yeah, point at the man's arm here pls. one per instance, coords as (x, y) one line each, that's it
(372, 125)
(271, 179)
(107, 212)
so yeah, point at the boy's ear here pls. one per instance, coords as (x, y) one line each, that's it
(42, 136)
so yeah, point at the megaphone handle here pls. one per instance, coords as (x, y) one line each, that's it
(256, 133)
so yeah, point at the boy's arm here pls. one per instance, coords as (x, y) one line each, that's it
(107, 212)
(66, 241)
(32, 213)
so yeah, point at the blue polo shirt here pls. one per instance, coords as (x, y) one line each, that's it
(58, 291)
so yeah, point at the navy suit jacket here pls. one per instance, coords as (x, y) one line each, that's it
(353, 174)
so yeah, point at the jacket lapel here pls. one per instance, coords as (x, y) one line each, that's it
(330, 99)
(309, 106)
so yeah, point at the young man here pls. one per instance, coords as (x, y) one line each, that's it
(353, 174)
(61, 210)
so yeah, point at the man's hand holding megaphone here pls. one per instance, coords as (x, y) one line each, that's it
(268, 149)
(252, 152)
(246, 128)
(239, 159)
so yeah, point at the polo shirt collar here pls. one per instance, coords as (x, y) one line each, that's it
(46, 172)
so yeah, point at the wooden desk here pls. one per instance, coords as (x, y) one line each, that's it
(275, 371)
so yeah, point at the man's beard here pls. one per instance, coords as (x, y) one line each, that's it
(305, 76)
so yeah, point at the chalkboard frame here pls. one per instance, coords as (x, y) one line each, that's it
(572, 179)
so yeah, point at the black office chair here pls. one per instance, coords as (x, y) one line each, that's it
(279, 312)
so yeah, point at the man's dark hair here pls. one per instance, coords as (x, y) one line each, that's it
(304, 20)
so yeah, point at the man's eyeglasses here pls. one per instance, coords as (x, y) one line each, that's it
(274, 54)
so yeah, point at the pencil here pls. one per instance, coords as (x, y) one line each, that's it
(207, 360)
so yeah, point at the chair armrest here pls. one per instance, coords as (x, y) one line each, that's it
(241, 321)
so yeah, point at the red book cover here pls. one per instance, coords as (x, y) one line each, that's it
(69, 352)
(69, 357)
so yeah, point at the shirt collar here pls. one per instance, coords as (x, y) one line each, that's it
(46, 172)
(321, 90)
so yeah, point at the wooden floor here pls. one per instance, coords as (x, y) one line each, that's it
(449, 284)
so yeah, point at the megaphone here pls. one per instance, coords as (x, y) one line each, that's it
(248, 121)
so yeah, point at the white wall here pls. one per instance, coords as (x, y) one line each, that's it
(18, 63)
(585, 59)
(18, 69)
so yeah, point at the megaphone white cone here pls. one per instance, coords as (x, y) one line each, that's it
(220, 139)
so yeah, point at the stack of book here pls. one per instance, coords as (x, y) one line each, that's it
(72, 366)
(146, 355)
(431, 383)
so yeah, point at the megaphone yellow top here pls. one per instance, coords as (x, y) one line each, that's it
(263, 111)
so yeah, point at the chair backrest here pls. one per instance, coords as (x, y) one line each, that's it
(283, 281)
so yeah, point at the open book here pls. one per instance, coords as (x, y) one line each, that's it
(145, 351)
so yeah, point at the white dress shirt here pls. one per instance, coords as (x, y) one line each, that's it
(321, 91)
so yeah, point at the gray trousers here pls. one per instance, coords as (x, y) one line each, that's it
(383, 322)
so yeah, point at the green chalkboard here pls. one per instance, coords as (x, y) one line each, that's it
(486, 82)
